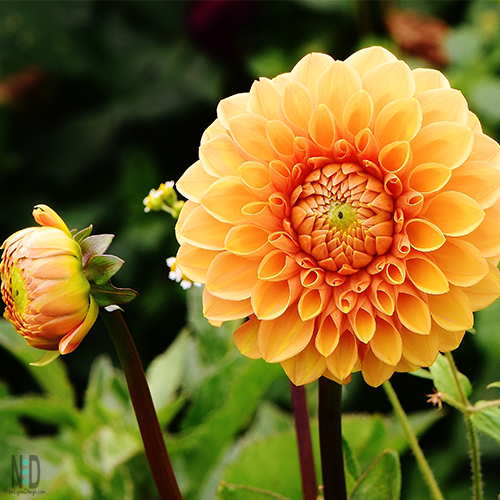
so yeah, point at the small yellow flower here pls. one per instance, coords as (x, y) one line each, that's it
(43, 286)
(164, 198)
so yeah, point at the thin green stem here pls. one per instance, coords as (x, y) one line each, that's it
(303, 431)
(152, 437)
(477, 482)
(330, 439)
(413, 441)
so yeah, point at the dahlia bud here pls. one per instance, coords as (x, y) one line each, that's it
(53, 282)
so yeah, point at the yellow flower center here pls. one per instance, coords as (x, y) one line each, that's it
(341, 216)
(18, 287)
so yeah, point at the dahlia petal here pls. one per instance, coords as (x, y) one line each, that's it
(249, 134)
(440, 105)
(54, 326)
(386, 343)
(45, 216)
(426, 275)
(343, 359)
(296, 104)
(362, 319)
(485, 149)
(381, 295)
(454, 213)
(399, 120)
(246, 338)
(277, 266)
(327, 337)
(58, 267)
(485, 237)
(396, 157)
(255, 176)
(358, 112)
(337, 84)
(394, 271)
(448, 340)
(365, 59)
(428, 79)
(388, 82)
(374, 371)
(219, 156)
(424, 235)
(420, 350)
(486, 291)
(72, 340)
(232, 106)
(213, 130)
(452, 310)
(283, 241)
(322, 127)
(305, 367)
(225, 198)
(187, 209)
(479, 180)
(270, 299)
(461, 262)
(231, 277)
(413, 312)
(259, 213)
(281, 138)
(204, 231)
(429, 177)
(309, 68)
(264, 99)
(194, 262)
(442, 142)
(194, 182)
(285, 336)
(311, 303)
(280, 175)
(215, 309)
(247, 240)
(473, 122)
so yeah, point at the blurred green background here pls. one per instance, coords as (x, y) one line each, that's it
(102, 101)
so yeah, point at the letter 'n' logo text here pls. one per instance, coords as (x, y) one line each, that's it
(24, 476)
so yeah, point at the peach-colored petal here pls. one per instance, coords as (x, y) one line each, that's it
(277, 266)
(215, 309)
(296, 104)
(322, 127)
(426, 275)
(343, 359)
(230, 107)
(249, 134)
(194, 262)
(386, 343)
(225, 198)
(195, 230)
(365, 59)
(374, 371)
(486, 291)
(45, 216)
(399, 120)
(246, 338)
(429, 177)
(309, 68)
(388, 82)
(312, 303)
(327, 337)
(255, 176)
(219, 156)
(264, 99)
(194, 182)
(485, 237)
(424, 235)
(454, 213)
(420, 350)
(285, 336)
(396, 157)
(485, 149)
(461, 262)
(442, 142)
(452, 310)
(231, 277)
(305, 367)
(428, 79)
(443, 105)
(271, 299)
(248, 240)
(358, 112)
(188, 207)
(448, 340)
(413, 312)
(281, 139)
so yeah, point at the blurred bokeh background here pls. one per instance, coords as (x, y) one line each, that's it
(102, 101)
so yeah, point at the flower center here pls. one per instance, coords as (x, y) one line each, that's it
(18, 290)
(341, 216)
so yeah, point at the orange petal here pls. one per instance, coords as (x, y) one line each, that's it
(194, 182)
(309, 68)
(427, 79)
(362, 320)
(186, 210)
(312, 303)
(426, 275)
(374, 371)
(249, 133)
(45, 216)
(232, 106)
(215, 309)
(396, 157)
(219, 156)
(448, 340)
(271, 299)
(322, 127)
(296, 103)
(424, 235)
(285, 336)
(327, 337)
(248, 240)
(246, 338)
(365, 59)
(277, 266)
(485, 149)
(386, 344)
(264, 99)
(413, 312)
(451, 311)
(280, 137)
(420, 350)
(485, 237)
(429, 177)
(343, 360)
(202, 230)
(443, 105)
(305, 367)
(399, 120)
(231, 277)
(484, 293)
(454, 213)
(358, 112)
(194, 262)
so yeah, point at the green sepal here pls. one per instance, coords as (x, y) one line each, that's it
(106, 294)
(95, 245)
(100, 268)
(46, 359)
(79, 236)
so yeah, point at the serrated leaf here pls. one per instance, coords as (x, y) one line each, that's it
(242, 492)
(444, 380)
(106, 294)
(100, 268)
(95, 245)
(381, 481)
(487, 421)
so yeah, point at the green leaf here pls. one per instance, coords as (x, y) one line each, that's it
(100, 268)
(79, 236)
(493, 384)
(444, 380)
(487, 421)
(421, 373)
(240, 492)
(95, 245)
(381, 481)
(106, 294)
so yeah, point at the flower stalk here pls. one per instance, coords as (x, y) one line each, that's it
(413, 442)
(154, 443)
(330, 438)
(477, 483)
(303, 431)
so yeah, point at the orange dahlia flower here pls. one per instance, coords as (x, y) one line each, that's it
(348, 209)
(46, 294)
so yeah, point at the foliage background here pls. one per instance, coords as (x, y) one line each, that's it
(102, 101)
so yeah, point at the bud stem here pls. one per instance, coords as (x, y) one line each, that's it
(303, 431)
(152, 437)
(330, 439)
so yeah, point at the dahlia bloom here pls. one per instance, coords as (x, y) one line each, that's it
(351, 211)
(47, 296)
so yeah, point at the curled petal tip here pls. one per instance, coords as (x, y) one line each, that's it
(45, 216)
